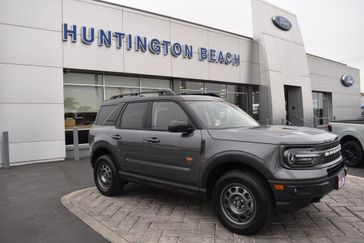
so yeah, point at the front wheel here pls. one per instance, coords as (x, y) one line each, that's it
(352, 153)
(242, 202)
(106, 177)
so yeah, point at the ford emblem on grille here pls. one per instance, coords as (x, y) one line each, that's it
(282, 23)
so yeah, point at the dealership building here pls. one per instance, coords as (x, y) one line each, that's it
(60, 59)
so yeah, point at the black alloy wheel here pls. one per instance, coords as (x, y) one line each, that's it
(352, 153)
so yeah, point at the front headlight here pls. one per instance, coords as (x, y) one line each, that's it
(300, 157)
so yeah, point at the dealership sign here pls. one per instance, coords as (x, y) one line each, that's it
(143, 44)
(282, 23)
(347, 80)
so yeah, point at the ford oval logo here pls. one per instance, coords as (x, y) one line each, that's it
(347, 80)
(282, 23)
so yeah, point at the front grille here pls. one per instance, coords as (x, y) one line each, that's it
(332, 171)
(328, 145)
(327, 148)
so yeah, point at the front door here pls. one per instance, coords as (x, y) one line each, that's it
(169, 155)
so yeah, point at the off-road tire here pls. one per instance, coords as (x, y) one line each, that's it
(352, 153)
(248, 183)
(110, 183)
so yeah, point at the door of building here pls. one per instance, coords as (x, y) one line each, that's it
(294, 105)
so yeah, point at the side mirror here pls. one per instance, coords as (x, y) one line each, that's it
(180, 126)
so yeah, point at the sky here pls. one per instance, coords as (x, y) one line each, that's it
(333, 29)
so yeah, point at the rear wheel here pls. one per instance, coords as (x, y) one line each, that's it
(352, 153)
(106, 177)
(242, 201)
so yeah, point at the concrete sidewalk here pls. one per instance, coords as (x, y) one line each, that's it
(30, 208)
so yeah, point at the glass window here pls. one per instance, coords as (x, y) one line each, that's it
(81, 105)
(255, 102)
(82, 78)
(133, 116)
(237, 95)
(220, 115)
(216, 88)
(164, 113)
(111, 80)
(108, 114)
(152, 83)
(110, 92)
(320, 108)
(104, 112)
(111, 120)
(181, 86)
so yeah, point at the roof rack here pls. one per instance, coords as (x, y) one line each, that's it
(160, 92)
(202, 93)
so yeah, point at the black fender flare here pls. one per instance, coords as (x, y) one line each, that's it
(242, 158)
(101, 145)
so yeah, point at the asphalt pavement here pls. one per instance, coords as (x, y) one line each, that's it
(30, 208)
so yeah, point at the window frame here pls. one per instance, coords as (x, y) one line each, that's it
(191, 122)
(145, 115)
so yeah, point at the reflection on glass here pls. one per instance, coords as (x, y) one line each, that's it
(111, 80)
(109, 92)
(82, 78)
(320, 108)
(255, 102)
(155, 83)
(81, 105)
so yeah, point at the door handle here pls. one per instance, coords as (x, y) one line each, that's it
(116, 137)
(153, 140)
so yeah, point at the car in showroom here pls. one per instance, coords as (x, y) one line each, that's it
(205, 145)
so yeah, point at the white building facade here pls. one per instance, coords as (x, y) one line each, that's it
(61, 58)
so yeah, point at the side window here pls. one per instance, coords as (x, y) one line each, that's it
(104, 112)
(165, 112)
(111, 120)
(133, 116)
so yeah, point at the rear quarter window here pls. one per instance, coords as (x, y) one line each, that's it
(108, 114)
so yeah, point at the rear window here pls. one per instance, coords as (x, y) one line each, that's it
(108, 114)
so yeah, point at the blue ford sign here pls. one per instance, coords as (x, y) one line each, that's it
(107, 38)
(282, 23)
(347, 80)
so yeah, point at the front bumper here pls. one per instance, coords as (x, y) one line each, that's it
(298, 194)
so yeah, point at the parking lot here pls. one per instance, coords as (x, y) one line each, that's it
(31, 211)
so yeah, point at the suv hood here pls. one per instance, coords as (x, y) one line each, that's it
(274, 135)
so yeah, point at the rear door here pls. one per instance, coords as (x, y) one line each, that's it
(128, 136)
(167, 155)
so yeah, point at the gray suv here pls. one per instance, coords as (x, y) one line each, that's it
(202, 144)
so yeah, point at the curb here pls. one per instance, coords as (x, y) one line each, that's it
(88, 220)
(356, 177)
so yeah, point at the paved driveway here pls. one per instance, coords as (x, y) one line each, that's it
(143, 214)
(30, 210)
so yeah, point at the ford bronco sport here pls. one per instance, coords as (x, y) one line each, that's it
(203, 144)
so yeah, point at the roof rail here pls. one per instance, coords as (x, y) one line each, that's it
(160, 92)
(201, 93)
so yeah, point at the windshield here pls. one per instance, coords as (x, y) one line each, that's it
(220, 115)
